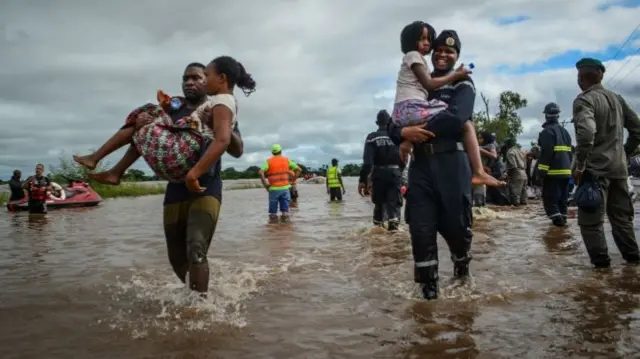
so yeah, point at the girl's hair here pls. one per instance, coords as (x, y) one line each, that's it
(487, 137)
(411, 34)
(236, 74)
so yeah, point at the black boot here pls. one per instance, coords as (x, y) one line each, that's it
(393, 226)
(430, 289)
(461, 269)
(428, 279)
(461, 266)
(559, 221)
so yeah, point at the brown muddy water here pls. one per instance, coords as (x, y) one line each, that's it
(95, 283)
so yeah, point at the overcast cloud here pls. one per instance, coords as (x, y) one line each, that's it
(71, 70)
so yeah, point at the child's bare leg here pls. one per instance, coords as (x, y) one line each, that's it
(479, 176)
(119, 139)
(114, 174)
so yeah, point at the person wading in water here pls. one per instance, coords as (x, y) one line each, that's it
(439, 193)
(190, 218)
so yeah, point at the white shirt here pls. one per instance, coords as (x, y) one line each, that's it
(408, 87)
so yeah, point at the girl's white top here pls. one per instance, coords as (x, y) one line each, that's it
(203, 113)
(408, 87)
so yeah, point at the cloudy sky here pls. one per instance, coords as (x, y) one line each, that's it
(71, 70)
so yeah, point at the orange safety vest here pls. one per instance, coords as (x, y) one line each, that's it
(278, 173)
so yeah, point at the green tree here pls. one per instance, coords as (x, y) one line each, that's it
(507, 122)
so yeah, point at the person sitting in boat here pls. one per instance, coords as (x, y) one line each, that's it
(57, 192)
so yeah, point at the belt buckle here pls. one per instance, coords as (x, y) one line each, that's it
(428, 148)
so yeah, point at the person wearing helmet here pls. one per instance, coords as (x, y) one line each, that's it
(554, 165)
(277, 174)
(381, 161)
(600, 117)
(335, 187)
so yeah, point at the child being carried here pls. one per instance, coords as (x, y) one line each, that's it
(173, 149)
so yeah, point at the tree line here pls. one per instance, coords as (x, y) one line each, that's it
(505, 123)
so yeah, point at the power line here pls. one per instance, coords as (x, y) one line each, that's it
(622, 67)
(627, 75)
(625, 42)
(620, 51)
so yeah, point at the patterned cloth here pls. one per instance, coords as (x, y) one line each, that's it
(416, 112)
(170, 149)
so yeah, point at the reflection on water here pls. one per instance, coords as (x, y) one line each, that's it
(96, 283)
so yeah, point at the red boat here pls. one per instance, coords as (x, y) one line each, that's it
(77, 194)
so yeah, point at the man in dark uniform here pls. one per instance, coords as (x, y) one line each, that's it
(554, 165)
(37, 187)
(439, 193)
(600, 117)
(381, 159)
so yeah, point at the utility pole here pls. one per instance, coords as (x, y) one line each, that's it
(563, 123)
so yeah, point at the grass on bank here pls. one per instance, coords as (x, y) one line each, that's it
(127, 189)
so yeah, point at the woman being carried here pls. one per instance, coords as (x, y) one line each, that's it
(412, 107)
(180, 151)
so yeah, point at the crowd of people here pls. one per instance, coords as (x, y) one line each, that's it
(428, 139)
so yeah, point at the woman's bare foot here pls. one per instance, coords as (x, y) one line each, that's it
(86, 161)
(486, 179)
(105, 178)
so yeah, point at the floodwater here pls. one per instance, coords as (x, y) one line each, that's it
(96, 283)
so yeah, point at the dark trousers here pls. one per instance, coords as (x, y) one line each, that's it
(37, 207)
(439, 201)
(386, 195)
(555, 196)
(335, 194)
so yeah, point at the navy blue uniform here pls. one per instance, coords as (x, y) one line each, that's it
(382, 160)
(554, 167)
(439, 193)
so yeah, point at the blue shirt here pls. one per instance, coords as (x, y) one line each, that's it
(178, 192)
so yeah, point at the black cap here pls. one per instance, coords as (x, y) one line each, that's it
(448, 38)
(551, 109)
(590, 62)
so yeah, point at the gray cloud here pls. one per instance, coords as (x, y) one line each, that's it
(71, 70)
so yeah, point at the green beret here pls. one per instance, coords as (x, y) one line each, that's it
(590, 62)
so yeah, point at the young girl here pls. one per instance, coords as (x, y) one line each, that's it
(181, 151)
(412, 107)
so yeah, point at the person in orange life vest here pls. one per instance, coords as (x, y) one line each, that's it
(37, 187)
(275, 174)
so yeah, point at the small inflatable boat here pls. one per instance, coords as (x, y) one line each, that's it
(76, 194)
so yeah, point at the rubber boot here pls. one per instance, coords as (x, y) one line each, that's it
(461, 266)
(393, 226)
(273, 218)
(559, 221)
(461, 269)
(428, 282)
(284, 218)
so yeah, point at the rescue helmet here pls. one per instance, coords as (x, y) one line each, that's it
(551, 109)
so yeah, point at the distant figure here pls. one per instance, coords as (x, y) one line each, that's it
(17, 191)
(335, 187)
(600, 117)
(37, 187)
(516, 173)
(554, 165)
(381, 162)
(276, 175)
